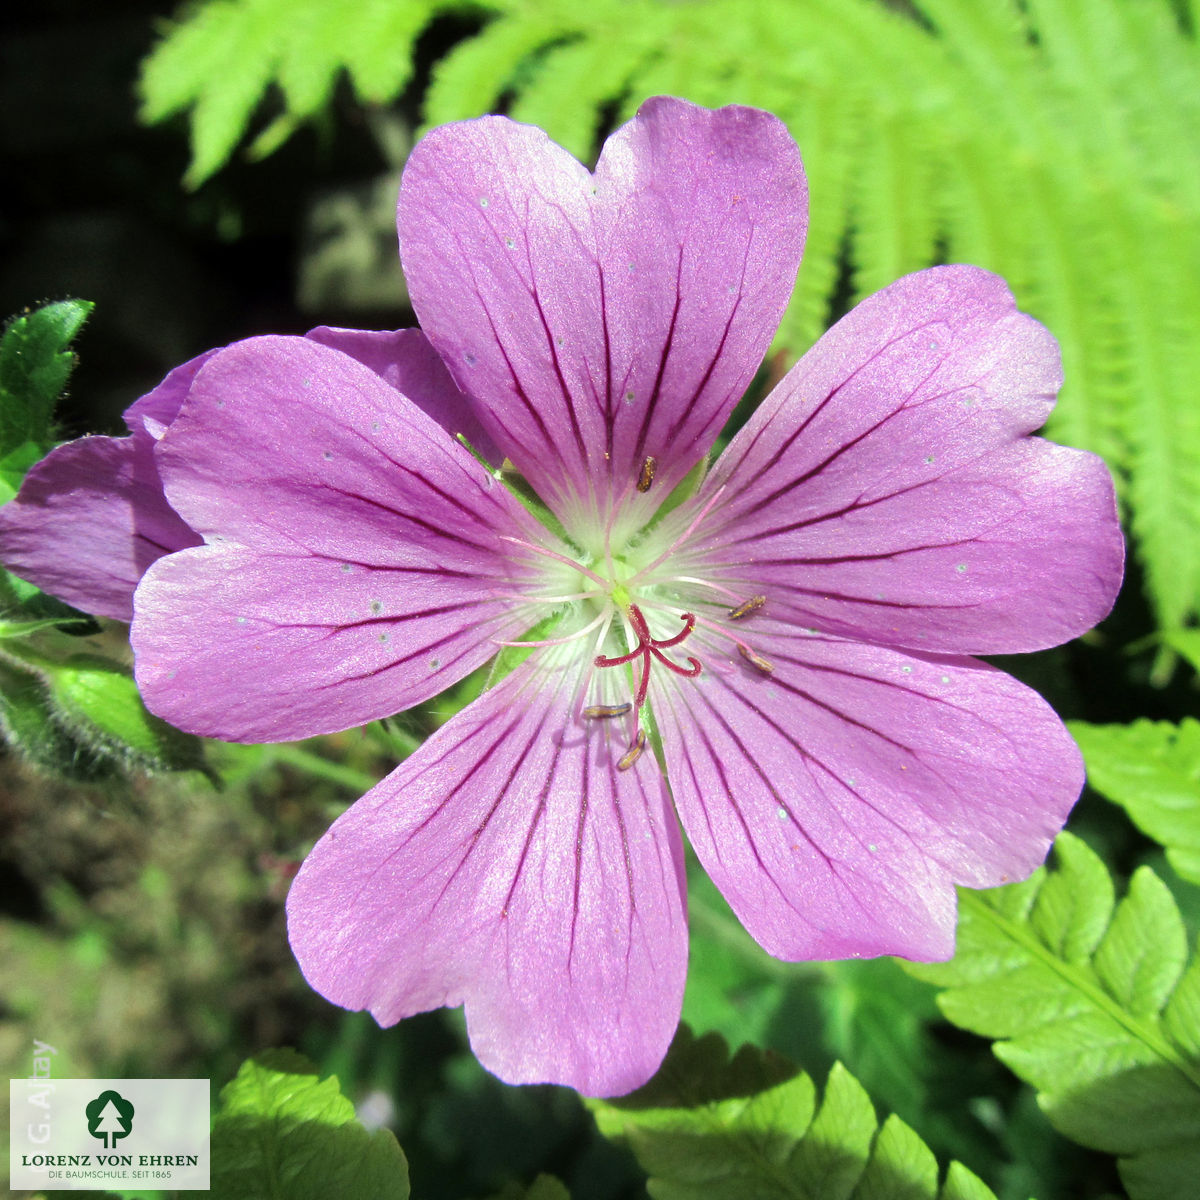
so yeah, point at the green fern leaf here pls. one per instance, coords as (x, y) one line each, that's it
(577, 79)
(711, 1128)
(1151, 769)
(231, 41)
(471, 78)
(1091, 1005)
(221, 59)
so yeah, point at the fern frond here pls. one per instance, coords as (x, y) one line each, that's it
(711, 1128)
(473, 76)
(576, 80)
(1095, 1006)
(1151, 769)
(220, 61)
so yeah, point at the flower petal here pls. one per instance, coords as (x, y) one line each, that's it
(405, 359)
(837, 799)
(355, 565)
(91, 516)
(887, 489)
(598, 320)
(158, 408)
(508, 866)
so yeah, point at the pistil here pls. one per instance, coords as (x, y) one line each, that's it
(651, 646)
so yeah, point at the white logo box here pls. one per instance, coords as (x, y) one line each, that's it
(79, 1134)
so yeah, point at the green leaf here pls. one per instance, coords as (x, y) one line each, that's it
(221, 59)
(1091, 1005)
(708, 1127)
(35, 363)
(1152, 770)
(280, 1131)
(14, 465)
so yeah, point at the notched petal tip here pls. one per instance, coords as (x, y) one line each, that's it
(601, 321)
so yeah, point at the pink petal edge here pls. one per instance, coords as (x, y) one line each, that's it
(888, 490)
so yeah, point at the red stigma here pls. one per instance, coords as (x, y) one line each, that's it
(651, 646)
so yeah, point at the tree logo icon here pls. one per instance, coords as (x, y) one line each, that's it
(109, 1117)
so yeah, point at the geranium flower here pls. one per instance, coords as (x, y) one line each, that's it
(787, 632)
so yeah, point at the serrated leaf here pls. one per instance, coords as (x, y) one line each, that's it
(1151, 769)
(281, 1131)
(1109, 1039)
(833, 1155)
(902, 1167)
(1073, 907)
(708, 1127)
(35, 363)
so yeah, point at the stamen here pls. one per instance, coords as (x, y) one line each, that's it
(750, 606)
(598, 711)
(562, 558)
(634, 752)
(683, 537)
(646, 478)
(755, 660)
(562, 641)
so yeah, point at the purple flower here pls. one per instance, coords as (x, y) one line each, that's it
(91, 516)
(787, 631)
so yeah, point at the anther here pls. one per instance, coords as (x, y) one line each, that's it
(606, 710)
(755, 660)
(646, 478)
(747, 607)
(634, 752)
